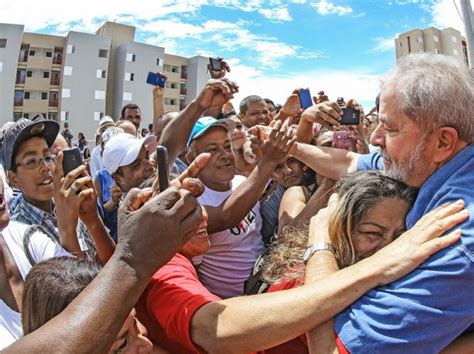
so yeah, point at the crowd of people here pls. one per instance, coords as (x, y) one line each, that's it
(280, 229)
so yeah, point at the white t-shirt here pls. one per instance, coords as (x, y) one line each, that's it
(41, 248)
(228, 263)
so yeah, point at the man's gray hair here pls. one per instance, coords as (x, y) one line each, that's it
(435, 90)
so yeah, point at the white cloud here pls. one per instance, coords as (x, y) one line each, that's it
(349, 84)
(383, 44)
(324, 7)
(276, 14)
(444, 15)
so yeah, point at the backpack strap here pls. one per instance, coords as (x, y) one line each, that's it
(27, 236)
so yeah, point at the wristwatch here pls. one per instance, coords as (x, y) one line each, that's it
(318, 246)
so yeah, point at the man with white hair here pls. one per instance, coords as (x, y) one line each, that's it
(425, 134)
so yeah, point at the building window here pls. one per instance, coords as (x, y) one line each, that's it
(400, 43)
(44, 95)
(1, 66)
(49, 54)
(52, 115)
(99, 95)
(103, 53)
(437, 51)
(101, 74)
(66, 93)
(32, 53)
(129, 77)
(436, 39)
(419, 39)
(131, 57)
(68, 70)
(64, 116)
(27, 95)
(98, 115)
(127, 96)
(45, 74)
(3, 42)
(454, 39)
(29, 73)
(455, 52)
(70, 49)
(158, 62)
(17, 115)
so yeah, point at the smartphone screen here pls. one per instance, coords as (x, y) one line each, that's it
(72, 159)
(216, 64)
(155, 79)
(162, 158)
(305, 98)
(350, 116)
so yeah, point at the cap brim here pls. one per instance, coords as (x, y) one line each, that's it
(134, 150)
(223, 123)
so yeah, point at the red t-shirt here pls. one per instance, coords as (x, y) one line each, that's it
(169, 302)
(299, 344)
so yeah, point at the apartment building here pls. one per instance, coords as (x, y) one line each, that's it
(81, 77)
(432, 40)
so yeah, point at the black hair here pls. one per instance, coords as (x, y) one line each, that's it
(244, 103)
(128, 106)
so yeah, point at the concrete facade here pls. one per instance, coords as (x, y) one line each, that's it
(10, 36)
(83, 90)
(133, 62)
(432, 40)
(81, 77)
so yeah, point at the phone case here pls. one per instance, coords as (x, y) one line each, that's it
(216, 64)
(72, 159)
(305, 98)
(155, 79)
(350, 116)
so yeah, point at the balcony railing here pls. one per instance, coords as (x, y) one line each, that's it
(20, 81)
(23, 57)
(184, 75)
(18, 102)
(53, 102)
(182, 106)
(58, 59)
(54, 82)
(183, 91)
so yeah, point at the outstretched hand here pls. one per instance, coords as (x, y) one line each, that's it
(216, 93)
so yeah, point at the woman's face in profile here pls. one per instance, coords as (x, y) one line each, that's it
(380, 225)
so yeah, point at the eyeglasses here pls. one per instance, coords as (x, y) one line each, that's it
(34, 162)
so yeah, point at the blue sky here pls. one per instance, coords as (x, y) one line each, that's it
(273, 46)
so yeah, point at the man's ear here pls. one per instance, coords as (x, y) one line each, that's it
(12, 179)
(447, 139)
(116, 177)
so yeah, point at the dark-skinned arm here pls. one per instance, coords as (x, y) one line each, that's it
(234, 209)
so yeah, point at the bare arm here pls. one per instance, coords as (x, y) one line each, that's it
(158, 106)
(292, 203)
(105, 303)
(176, 134)
(241, 201)
(328, 162)
(274, 318)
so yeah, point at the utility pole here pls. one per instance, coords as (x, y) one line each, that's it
(467, 15)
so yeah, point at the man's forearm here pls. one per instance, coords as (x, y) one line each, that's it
(328, 162)
(101, 308)
(176, 134)
(304, 132)
(158, 107)
(274, 318)
(234, 209)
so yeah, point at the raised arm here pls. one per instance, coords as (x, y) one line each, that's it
(241, 201)
(177, 132)
(93, 319)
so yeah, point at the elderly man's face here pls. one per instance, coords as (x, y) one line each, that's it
(405, 145)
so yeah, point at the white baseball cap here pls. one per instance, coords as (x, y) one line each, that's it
(122, 149)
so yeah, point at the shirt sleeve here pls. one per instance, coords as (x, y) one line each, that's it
(423, 312)
(174, 295)
(373, 161)
(43, 248)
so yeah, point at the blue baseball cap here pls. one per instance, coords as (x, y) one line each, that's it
(205, 123)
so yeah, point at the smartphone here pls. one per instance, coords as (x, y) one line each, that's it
(344, 140)
(72, 159)
(155, 79)
(305, 98)
(162, 158)
(216, 64)
(350, 116)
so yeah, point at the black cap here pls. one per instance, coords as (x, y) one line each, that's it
(23, 130)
